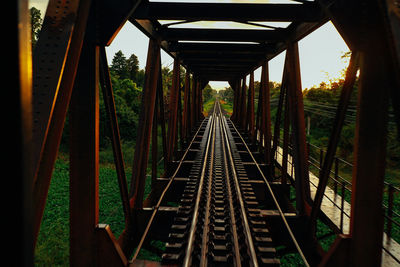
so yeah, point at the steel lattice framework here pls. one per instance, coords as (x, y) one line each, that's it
(69, 66)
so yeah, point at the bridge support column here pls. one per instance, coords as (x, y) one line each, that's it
(266, 115)
(19, 233)
(300, 155)
(84, 155)
(173, 111)
(235, 85)
(250, 107)
(369, 162)
(242, 100)
(186, 108)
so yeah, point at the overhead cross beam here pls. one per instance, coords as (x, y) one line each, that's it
(233, 35)
(307, 12)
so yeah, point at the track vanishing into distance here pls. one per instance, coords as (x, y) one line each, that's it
(218, 219)
(218, 222)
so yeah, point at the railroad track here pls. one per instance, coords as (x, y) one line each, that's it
(213, 210)
(218, 222)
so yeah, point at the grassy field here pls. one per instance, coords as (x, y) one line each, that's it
(52, 247)
(208, 106)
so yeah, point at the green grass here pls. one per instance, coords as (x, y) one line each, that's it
(208, 105)
(228, 107)
(52, 247)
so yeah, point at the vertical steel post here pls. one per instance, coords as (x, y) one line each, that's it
(235, 87)
(186, 108)
(277, 125)
(154, 146)
(266, 116)
(295, 95)
(249, 125)
(84, 154)
(54, 93)
(286, 136)
(259, 133)
(145, 126)
(193, 106)
(160, 97)
(19, 133)
(369, 156)
(243, 111)
(173, 111)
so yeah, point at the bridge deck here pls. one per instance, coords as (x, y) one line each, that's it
(220, 210)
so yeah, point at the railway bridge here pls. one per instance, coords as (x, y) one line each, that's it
(233, 192)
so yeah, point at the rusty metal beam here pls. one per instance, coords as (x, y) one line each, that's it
(221, 48)
(278, 117)
(173, 111)
(232, 35)
(53, 77)
(112, 17)
(296, 106)
(334, 138)
(19, 133)
(243, 108)
(228, 11)
(192, 107)
(370, 141)
(160, 97)
(138, 180)
(84, 153)
(186, 108)
(250, 107)
(109, 103)
(369, 162)
(136, 191)
(266, 114)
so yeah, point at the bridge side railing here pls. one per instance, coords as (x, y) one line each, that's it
(341, 184)
(342, 187)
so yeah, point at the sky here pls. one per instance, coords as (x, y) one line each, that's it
(320, 52)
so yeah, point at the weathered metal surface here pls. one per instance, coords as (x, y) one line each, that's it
(84, 156)
(145, 125)
(54, 72)
(295, 100)
(19, 232)
(370, 28)
(229, 11)
(334, 139)
(108, 97)
(173, 112)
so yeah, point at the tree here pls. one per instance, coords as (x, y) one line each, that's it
(133, 67)
(208, 93)
(119, 65)
(227, 94)
(36, 24)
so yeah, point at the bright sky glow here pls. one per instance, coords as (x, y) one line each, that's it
(320, 52)
(320, 55)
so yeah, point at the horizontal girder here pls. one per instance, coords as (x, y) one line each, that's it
(307, 12)
(234, 35)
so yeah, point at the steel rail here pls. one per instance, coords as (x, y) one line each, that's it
(192, 231)
(156, 207)
(250, 243)
(204, 247)
(231, 206)
(275, 200)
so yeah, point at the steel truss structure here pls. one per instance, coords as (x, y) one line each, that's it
(69, 65)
